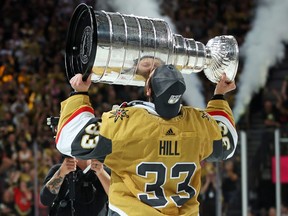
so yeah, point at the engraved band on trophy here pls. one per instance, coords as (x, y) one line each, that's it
(122, 49)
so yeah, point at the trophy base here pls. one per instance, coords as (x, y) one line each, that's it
(81, 42)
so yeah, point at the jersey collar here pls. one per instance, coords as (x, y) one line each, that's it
(150, 107)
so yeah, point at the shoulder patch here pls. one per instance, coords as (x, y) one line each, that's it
(205, 115)
(119, 113)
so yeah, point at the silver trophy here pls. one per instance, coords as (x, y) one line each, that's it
(124, 49)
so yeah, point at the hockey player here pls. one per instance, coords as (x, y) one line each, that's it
(153, 148)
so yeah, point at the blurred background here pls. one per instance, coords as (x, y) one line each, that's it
(33, 83)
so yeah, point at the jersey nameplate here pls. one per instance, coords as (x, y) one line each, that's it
(168, 148)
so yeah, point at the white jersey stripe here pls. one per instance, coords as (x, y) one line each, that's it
(70, 131)
(231, 128)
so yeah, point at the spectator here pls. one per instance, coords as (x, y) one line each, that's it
(25, 153)
(283, 100)
(284, 89)
(230, 185)
(10, 146)
(19, 108)
(270, 114)
(272, 211)
(208, 193)
(17, 197)
(23, 196)
(284, 209)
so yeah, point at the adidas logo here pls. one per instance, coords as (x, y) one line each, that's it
(170, 132)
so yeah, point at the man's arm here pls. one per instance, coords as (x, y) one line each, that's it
(101, 173)
(46, 197)
(54, 184)
(220, 110)
(78, 129)
(55, 179)
(76, 112)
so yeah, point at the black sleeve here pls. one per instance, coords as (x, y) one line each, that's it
(218, 97)
(46, 197)
(224, 148)
(217, 153)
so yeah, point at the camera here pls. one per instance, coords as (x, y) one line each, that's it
(53, 122)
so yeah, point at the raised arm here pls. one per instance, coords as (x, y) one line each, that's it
(220, 110)
(78, 128)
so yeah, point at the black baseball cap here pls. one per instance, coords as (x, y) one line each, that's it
(168, 87)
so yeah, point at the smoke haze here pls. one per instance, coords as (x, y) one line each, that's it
(263, 48)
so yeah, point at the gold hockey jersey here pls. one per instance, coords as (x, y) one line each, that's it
(155, 163)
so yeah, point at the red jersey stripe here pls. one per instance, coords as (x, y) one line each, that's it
(79, 111)
(221, 113)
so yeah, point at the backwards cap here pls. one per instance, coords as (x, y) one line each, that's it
(168, 87)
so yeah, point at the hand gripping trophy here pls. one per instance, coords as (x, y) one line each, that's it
(122, 49)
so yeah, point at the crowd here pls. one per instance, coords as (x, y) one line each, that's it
(33, 83)
(274, 115)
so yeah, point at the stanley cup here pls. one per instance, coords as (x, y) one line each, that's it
(123, 49)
